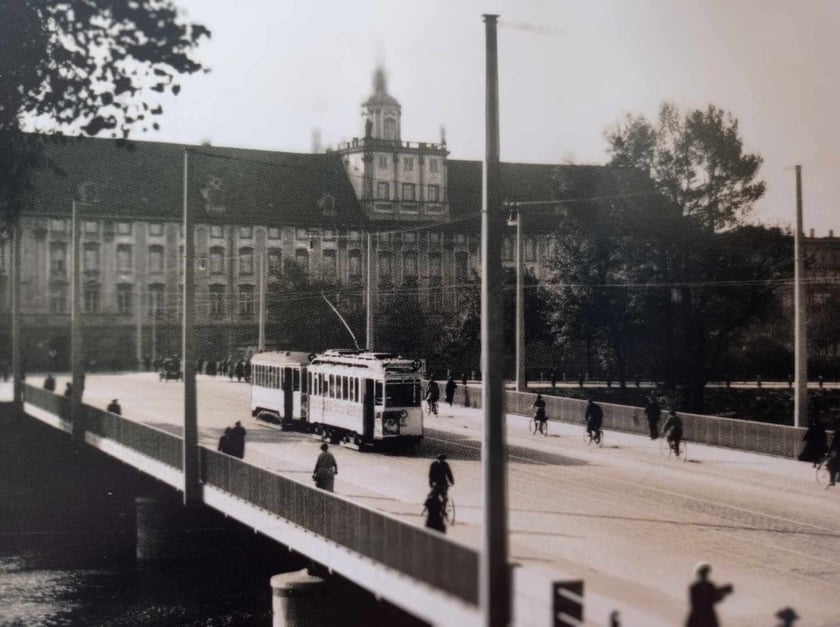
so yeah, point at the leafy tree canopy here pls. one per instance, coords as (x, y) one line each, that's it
(696, 160)
(92, 67)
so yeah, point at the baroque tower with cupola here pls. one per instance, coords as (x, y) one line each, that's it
(394, 180)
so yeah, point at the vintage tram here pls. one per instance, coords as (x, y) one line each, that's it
(362, 399)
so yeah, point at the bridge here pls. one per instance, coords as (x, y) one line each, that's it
(628, 521)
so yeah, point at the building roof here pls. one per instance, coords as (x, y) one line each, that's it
(226, 184)
(534, 182)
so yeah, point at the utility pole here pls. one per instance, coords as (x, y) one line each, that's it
(494, 582)
(261, 340)
(17, 363)
(520, 305)
(192, 487)
(138, 320)
(78, 369)
(369, 293)
(800, 403)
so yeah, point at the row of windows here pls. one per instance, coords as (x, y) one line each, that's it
(275, 377)
(156, 229)
(339, 387)
(383, 192)
(217, 258)
(408, 163)
(155, 300)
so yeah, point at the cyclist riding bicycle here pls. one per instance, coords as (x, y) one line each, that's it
(539, 409)
(432, 395)
(673, 429)
(594, 417)
(440, 476)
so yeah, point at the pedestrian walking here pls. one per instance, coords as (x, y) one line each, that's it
(815, 442)
(325, 470)
(237, 440)
(553, 379)
(435, 508)
(49, 383)
(239, 371)
(224, 442)
(449, 390)
(114, 407)
(833, 457)
(653, 411)
(68, 389)
(464, 379)
(787, 616)
(703, 595)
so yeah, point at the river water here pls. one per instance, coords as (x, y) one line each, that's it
(67, 540)
(67, 550)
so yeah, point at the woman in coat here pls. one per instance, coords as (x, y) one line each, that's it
(325, 470)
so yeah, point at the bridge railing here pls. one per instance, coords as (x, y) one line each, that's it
(155, 443)
(747, 435)
(411, 550)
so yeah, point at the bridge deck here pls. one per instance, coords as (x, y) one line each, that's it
(627, 520)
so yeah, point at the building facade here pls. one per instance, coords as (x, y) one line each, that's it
(257, 214)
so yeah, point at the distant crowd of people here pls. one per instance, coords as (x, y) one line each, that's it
(239, 369)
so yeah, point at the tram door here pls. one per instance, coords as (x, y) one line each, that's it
(288, 399)
(368, 410)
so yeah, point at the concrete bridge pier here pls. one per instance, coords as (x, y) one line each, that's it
(169, 531)
(300, 598)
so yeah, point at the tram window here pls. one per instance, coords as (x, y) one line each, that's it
(345, 388)
(332, 386)
(377, 393)
(296, 380)
(303, 382)
(402, 394)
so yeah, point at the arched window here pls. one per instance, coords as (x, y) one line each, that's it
(390, 128)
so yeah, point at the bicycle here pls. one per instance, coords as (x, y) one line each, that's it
(448, 507)
(593, 436)
(823, 474)
(538, 425)
(431, 407)
(668, 448)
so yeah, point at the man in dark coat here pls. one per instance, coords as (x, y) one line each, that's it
(224, 442)
(653, 411)
(703, 595)
(815, 443)
(114, 407)
(449, 390)
(239, 370)
(49, 383)
(237, 440)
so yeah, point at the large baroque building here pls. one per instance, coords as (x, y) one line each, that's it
(254, 210)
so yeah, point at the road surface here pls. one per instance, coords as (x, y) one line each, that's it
(627, 520)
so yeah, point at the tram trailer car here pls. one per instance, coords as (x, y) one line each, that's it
(278, 387)
(365, 398)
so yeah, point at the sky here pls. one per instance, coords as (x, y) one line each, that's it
(568, 71)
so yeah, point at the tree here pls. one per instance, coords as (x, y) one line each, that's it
(722, 275)
(306, 321)
(83, 66)
(696, 160)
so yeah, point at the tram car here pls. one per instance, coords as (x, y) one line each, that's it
(278, 387)
(361, 399)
